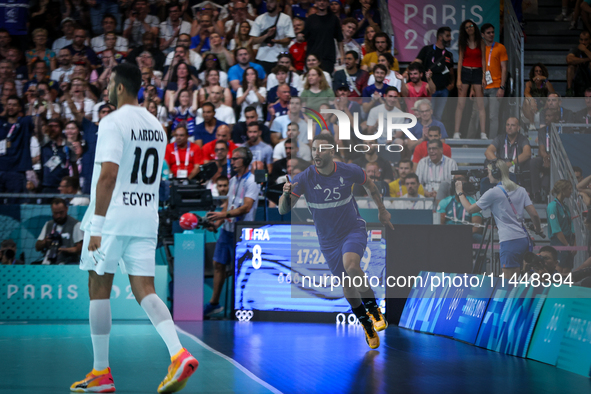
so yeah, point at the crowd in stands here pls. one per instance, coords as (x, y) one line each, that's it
(219, 75)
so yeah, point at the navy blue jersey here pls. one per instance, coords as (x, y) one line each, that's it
(18, 155)
(330, 200)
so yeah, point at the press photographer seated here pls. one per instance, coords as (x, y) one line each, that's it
(61, 238)
(544, 262)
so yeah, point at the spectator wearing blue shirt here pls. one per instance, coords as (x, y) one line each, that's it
(56, 158)
(236, 72)
(200, 42)
(301, 10)
(378, 89)
(281, 107)
(15, 152)
(561, 229)
(262, 153)
(205, 131)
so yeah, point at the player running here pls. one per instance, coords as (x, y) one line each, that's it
(120, 228)
(341, 230)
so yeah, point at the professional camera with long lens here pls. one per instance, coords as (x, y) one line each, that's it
(534, 261)
(53, 250)
(187, 196)
(474, 177)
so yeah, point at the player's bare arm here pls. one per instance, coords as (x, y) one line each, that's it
(242, 210)
(374, 193)
(287, 200)
(104, 192)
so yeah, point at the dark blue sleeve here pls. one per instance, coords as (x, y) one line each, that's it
(358, 175)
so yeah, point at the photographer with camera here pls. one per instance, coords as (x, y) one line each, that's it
(61, 238)
(545, 262)
(507, 201)
(8, 253)
(452, 211)
(561, 229)
(241, 205)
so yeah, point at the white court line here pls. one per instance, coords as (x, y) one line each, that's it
(232, 361)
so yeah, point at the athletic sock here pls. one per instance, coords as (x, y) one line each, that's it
(564, 11)
(99, 317)
(369, 300)
(161, 319)
(361, 314)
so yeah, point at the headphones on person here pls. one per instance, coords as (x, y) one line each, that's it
(496, 171)
(247, 153)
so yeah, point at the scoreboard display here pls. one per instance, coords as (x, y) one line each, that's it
(280, 268)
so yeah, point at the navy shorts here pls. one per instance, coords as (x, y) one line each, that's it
(512, 252)
(355, 242)
(224, 248)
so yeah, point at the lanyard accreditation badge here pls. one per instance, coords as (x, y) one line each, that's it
(184, 173)
(488, 76)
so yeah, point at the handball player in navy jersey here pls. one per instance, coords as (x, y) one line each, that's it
(341, 230)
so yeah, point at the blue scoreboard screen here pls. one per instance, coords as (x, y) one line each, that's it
(279, 267)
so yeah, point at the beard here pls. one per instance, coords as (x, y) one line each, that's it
(113, 97)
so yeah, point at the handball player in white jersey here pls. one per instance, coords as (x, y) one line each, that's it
(120, 229)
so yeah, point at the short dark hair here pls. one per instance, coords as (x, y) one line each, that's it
(107, 16)
(129, 76)
(416, 66)
(294, 124)
(58, 201)
(222, 178)
(380, 67)
(436, 142)
(435, 128)
(15, 97)
(551, 250)
(405, 161)
(250, 108)
(346, 21)
(577, 169)
(486, 26)
(72, 182)
(392, 88)
(209, 105)
(182, 125)
(442, 30)
(279, 68)
(288, 141)
(252, 124)
(324, 137)
(412, 175)
(354, 54)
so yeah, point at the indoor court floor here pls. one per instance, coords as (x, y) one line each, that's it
(265, 357)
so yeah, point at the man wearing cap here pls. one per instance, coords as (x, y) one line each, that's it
(67, 26)
(352, 76)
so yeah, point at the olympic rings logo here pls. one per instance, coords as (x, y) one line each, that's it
(244, 315)
(351, 319)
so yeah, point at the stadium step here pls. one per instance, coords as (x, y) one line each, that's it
(549, 28)
(545, 57)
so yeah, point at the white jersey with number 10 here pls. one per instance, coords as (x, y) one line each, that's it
(135, 140)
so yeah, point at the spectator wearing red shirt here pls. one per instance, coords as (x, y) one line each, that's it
(181, 165)
(222, 134)
(298, 52)
(434, 133)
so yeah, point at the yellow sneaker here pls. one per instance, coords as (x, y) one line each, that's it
(371, 336)
(182, 367)
(379, 321)
(95, 382)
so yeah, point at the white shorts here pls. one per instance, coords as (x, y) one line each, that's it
(135, 255)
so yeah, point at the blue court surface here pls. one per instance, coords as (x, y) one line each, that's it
(263, 357)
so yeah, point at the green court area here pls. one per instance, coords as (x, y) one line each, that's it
(48, 358)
